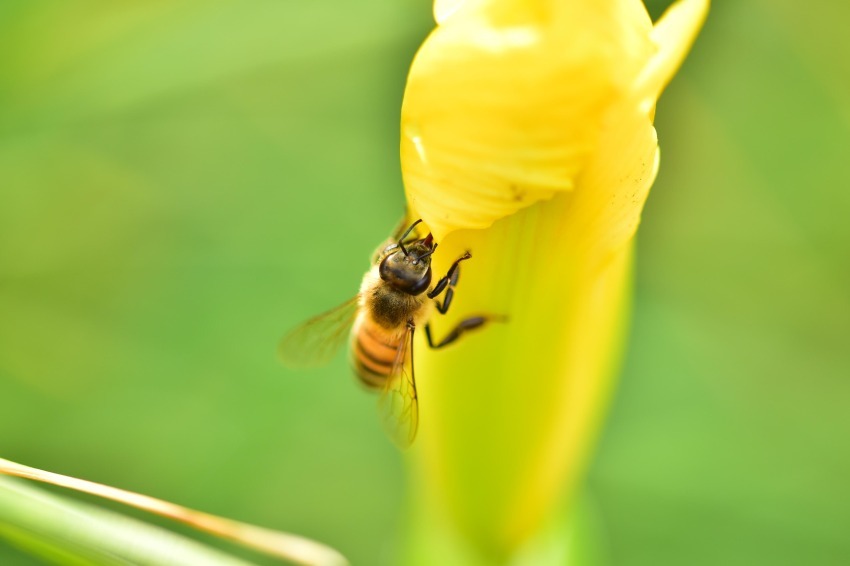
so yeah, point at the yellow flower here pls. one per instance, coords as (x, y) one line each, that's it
(527, 138)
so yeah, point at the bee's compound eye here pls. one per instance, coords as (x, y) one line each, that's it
(420, 285)
(385, 270)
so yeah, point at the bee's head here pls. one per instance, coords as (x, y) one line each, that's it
(408, 268)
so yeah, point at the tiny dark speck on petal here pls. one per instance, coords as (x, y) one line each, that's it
(517, 193)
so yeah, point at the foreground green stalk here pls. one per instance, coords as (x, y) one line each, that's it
(274, 543)
(72, 533)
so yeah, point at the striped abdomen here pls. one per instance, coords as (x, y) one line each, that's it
(374, 351)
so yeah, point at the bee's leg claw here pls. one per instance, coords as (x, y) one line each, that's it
(464, 325)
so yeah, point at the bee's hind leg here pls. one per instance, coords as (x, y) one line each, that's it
(464, 325)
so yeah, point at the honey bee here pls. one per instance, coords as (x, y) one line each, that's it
(396, 297)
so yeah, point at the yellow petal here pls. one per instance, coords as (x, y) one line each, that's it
(504, 102)
(674, 34)
(443, 9)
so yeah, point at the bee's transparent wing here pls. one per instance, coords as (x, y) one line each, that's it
(399, 403)
(315, 342)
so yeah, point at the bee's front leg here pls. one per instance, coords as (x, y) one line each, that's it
(448, 283)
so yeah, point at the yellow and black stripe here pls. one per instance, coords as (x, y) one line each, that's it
(374, 353)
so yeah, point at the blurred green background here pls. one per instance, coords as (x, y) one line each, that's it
(182, 182)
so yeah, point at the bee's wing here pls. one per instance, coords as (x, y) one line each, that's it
(315, 342)
(399, 402)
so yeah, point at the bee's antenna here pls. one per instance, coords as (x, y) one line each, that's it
(403, 236)
(426, 254)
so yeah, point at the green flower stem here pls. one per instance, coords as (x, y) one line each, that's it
(511, 415)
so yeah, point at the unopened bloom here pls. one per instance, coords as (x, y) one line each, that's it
(527, 138)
